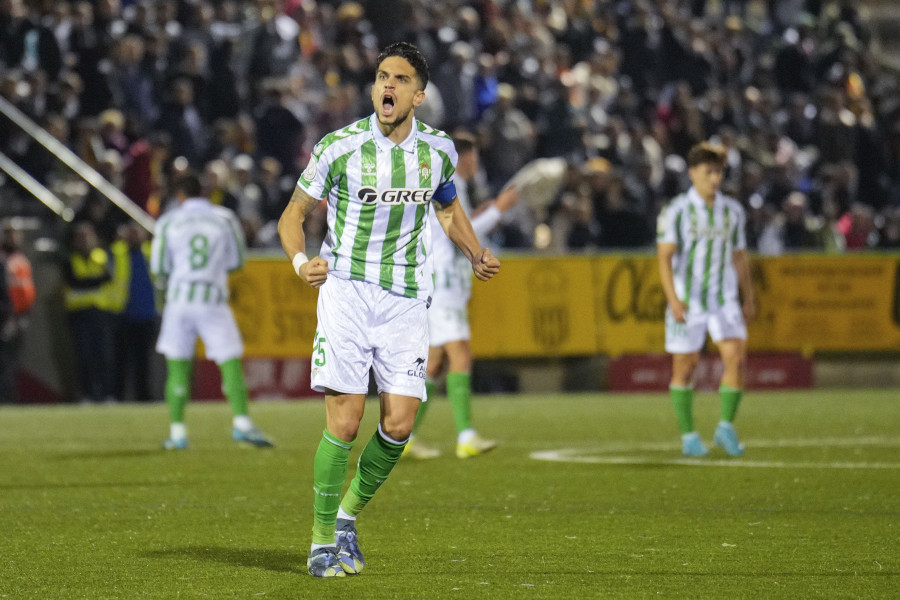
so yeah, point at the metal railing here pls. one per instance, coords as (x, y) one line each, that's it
(74, 162)
(35, 188)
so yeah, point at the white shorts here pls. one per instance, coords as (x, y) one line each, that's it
(446, 324)
(722, 324)
(182, 323)
(362, 326)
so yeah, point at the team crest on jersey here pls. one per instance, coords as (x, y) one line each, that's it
(424, 171)
(310, 173)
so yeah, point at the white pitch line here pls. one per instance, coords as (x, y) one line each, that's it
(619, 446)
(602, 454)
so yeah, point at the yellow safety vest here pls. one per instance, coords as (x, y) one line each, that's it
(94, 265)
(118, 289)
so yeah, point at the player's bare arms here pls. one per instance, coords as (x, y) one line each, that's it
(293, 240)
(458, 228)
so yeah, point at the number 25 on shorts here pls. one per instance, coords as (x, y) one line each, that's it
(318, 356)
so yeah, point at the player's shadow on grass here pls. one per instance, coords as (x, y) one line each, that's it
(271, 560)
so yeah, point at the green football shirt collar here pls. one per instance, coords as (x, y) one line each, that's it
(700, 202)
(386, 145)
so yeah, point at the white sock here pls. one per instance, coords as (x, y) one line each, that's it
(314, 547)
(726, 425)
(343, 515)
(242, 423)
(465, 435)
(685, 437)
(177, 431)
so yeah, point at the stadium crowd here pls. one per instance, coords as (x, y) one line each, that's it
(593, 102)
(619, 90)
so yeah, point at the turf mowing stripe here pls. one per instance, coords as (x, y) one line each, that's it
(564, 456)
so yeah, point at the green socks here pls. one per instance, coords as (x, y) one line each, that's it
(431, 394)
(683, 400)
(177, 387)
(375, 464)
(233, 385)
(731, 397)
(459, 391)
(329, 472)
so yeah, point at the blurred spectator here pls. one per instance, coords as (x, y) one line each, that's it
(26, 42)
(89, 42)
(455, 78)
(858, 227)
(217, 183)
(487, 88)
(132, 83)
(112, 131)
(97, 209)
(507, 138)
(223, 89)
(794, 229)
(7, 363)
(34, 158)
(248, 193)
(180, 119)
(619, 225)
(274, 47)
(87, 276)
(276, 188)
(279, 133)
(143, 167)
(17, 288)
(136, 316)
(889, 236)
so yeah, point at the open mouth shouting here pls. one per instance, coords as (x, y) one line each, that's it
(387, 105)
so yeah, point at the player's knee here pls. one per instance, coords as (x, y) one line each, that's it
(344, 424)
(683, 367)
(398, 428)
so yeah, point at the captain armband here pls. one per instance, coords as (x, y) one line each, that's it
(445, 193)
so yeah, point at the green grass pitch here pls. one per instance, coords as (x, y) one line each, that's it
(90, 507)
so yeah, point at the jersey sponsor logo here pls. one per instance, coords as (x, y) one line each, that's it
(369, 195)
(697, 232)
(310, 173)
(418, 369)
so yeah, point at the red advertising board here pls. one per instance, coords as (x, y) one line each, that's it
(764, 371)
(270, 378)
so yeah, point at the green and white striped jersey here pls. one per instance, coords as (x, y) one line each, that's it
(196, 245)
(452, 270)
(706, 238)
(378, 195)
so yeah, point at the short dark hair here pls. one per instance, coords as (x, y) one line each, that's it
(189, 183)
(706, 152)
(411, 54)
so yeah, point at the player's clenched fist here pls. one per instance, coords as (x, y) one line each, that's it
(485, 265)
(314, 271)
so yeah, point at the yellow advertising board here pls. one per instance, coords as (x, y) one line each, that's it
(275, 310)
(535, 307)
(814, 303)
(609, 304)
(630, 303)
